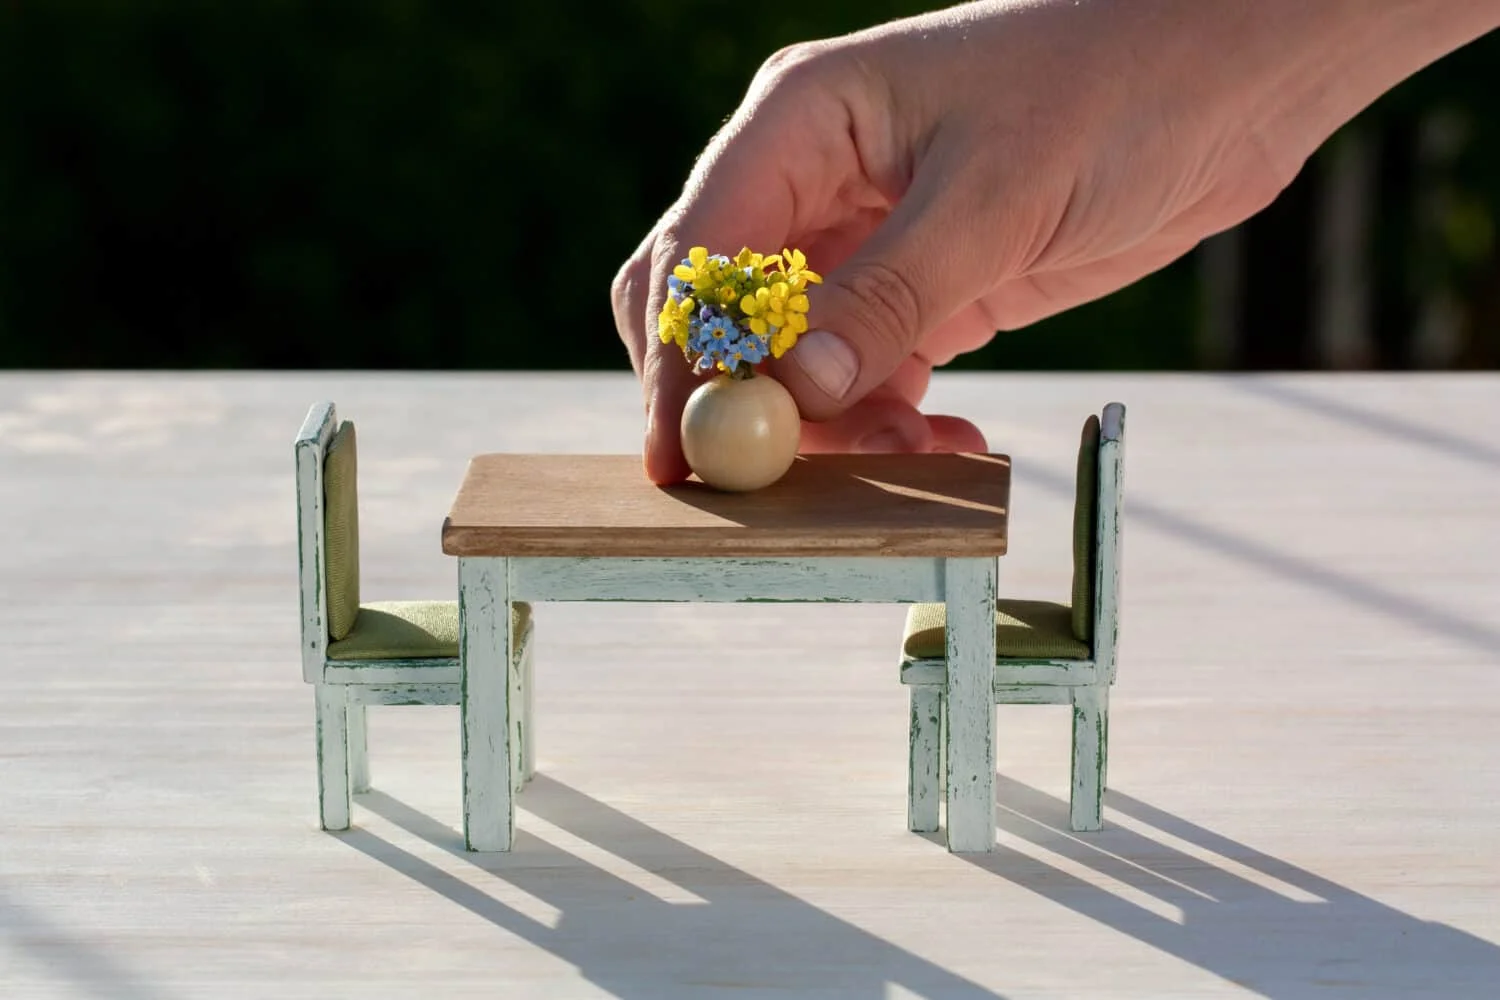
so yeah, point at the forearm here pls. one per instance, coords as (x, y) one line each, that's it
(1302, 68)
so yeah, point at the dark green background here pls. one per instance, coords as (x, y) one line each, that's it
(396, 183)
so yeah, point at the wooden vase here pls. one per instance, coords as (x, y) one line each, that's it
(740, 434)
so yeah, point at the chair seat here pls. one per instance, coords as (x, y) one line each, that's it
(1024, 630)
(410, 630)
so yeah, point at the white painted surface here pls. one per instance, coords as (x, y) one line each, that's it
(485, 653)
(1304, 759)
(909, 580)
(968, 708)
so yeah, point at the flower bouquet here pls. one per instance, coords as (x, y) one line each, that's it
(740, 430)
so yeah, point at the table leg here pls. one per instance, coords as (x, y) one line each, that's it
(969, 706)
(484, 655)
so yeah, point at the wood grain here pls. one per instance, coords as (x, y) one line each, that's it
(827, 505)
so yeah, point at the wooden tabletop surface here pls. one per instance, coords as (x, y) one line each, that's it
(826, 505)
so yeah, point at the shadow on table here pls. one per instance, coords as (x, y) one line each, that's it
(1371, 595)
(1390, 425)
(76, 961)
(817, 493)
(1282, 932)
(740, 935)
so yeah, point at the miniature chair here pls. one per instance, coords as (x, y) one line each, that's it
(388, 653)
(1046, 654)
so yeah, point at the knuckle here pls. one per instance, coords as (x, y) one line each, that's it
(788, 59)
(625, 290)
(795, 69)
(886, 304)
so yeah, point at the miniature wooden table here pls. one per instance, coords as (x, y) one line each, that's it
(888, 529)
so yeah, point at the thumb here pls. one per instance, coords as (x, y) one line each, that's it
(926, 262)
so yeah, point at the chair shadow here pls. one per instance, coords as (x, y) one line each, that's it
(1331, 940)
(1372, 596)
(746, 936)
(1375, 421)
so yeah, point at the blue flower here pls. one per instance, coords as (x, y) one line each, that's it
(717, 332)
(752, 348)
(712, 350)
(677, 288)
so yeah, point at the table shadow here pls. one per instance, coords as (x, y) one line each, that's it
(741, 936)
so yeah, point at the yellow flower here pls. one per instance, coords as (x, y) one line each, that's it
(794, 266)
(673, 321)
(701, 271)
(795, 274)
(782, 341)
(765, 310)
(748, 258)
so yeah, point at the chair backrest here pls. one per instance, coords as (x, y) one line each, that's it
(327, 532)
(1107, 530)
(1096, 535)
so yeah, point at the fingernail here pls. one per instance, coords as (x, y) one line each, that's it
(881, 442)
(828, 361)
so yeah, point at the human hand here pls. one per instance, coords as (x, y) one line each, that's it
(983, 167)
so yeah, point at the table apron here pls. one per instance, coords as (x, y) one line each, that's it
(834, 579)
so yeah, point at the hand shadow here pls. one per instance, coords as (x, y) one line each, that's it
(1319, 939)
(746, 937)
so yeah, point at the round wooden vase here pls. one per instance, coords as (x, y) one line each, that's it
(740, 434)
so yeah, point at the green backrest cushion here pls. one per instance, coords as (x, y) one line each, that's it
(341, 531)
(1085, 514)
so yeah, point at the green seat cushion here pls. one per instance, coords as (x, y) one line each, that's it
(1024, 630)
(410, 630)
(341, 532)
(1085, 545)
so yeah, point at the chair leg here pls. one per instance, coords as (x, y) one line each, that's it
(333, 756)
(359, 749)
(1090, 752)
(518, 722)
(528, 715)
(924, 782)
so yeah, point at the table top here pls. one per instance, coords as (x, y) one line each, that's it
(826, 505)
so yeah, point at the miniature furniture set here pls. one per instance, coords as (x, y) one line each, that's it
(920, 530)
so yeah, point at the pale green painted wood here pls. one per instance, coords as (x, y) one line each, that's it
(929, 673)
(924, 785)
(1090, 745)
(434, 671)
(1033, 694)
(332, 731)
(1111, 508)
(489, 797)
(308, 449)
(402, 694)
(1082, 683)
(343, 688)
(359, 744)
(903, 580)
(968, 704)
(485, 652)
(525, 744)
